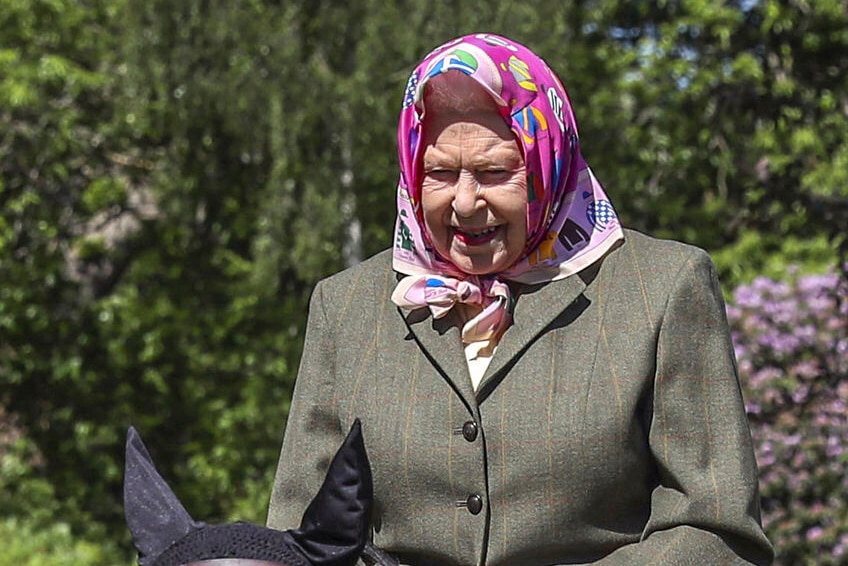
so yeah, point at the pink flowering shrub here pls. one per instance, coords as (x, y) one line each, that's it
(791, 341)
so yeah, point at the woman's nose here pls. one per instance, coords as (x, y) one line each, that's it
(467, 199)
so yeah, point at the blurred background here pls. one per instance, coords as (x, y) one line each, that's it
(176, 175)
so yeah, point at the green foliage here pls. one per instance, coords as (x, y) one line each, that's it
(175, 176)
(55, 544)
(757, 254)
(128, 291)
(54, 92)
(35, 527)
(756, 150)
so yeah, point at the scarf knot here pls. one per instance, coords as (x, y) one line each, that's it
(440, 294)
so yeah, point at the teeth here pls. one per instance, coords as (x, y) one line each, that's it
(482, 232)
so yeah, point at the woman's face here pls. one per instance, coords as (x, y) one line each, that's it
(474, 191)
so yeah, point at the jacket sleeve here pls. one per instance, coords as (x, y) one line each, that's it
(313, 430)
(705, 509)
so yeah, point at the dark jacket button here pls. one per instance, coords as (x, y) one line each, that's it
(474, 503)
(469, 431)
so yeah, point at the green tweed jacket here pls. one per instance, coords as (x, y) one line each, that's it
(608, 429)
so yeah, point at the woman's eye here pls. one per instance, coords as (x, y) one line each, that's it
(442, 175)
(488, 176)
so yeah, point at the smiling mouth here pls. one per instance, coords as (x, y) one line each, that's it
(475, 237)
(479, 233)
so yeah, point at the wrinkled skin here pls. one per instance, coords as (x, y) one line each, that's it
(474, 191)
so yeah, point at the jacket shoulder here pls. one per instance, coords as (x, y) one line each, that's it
(377, 266)
(370, 280)
(650, 245)
(645, 265)
(659, 255)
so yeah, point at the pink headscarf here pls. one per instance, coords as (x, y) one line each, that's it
(570, 221)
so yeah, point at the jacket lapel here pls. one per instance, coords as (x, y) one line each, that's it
(536, 307)
(441, 343)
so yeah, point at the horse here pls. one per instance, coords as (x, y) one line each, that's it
(333, 530)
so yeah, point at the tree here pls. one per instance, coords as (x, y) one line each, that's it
(732, 128)
(57, 179)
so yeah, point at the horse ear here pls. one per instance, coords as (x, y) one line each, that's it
(154, 515)
(335, 526)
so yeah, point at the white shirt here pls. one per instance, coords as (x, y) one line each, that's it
(478, 355)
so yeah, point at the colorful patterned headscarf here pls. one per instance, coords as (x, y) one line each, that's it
(570, 221)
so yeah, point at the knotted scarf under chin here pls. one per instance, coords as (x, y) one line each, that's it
(440, 294)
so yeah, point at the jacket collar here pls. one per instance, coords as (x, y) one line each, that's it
(536, 308)
(440, 341)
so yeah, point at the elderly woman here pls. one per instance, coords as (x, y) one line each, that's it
(536, 384)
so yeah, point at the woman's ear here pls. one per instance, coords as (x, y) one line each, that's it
(154, 515)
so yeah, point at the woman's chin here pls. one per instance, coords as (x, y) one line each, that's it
(483, 263)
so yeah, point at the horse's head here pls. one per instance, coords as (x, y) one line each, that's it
(333, 531)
